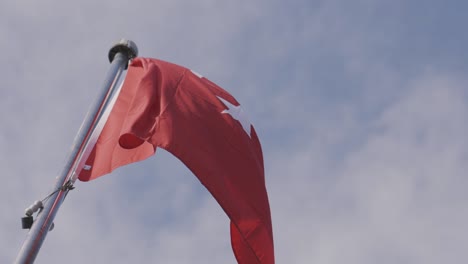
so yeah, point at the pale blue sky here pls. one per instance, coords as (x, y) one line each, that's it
(361, 107)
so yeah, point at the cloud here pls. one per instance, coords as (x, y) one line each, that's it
(396, 196)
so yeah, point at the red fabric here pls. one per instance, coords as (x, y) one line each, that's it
(165, 105)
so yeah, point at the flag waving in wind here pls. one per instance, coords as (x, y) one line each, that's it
(168, 106)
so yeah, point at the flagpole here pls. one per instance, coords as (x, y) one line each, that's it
(119, 55)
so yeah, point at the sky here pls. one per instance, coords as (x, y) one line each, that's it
(361, 108)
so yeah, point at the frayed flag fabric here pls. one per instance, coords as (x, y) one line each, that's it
(165, 105)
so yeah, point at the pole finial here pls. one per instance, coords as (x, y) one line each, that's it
(127, 47)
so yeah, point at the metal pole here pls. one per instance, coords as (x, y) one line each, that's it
(119, 55)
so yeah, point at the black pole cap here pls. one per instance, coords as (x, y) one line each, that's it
(27, 222)
(124, 46)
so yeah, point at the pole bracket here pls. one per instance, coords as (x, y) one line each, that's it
(68, 186)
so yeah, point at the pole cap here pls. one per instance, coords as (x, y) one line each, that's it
(124, 46)
(27, 222)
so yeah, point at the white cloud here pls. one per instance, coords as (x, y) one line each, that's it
(397, 197)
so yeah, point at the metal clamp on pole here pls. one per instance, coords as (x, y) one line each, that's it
(119, 56)
(28, 220)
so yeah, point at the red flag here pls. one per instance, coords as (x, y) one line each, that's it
(165, 105)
